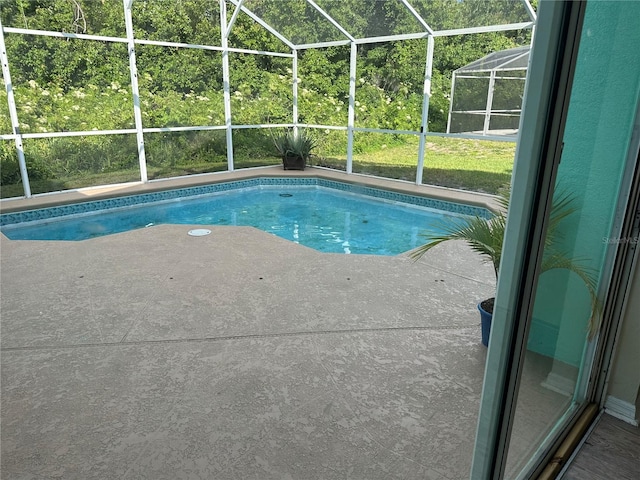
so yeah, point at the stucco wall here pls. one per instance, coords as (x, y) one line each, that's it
(624, 382)
(604, 97)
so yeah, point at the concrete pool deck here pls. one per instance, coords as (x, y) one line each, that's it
(155, 355)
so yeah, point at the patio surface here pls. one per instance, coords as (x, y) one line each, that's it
(155, 355)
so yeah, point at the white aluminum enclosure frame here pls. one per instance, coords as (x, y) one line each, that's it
(499, 71)
(13, 114)
(425, 31)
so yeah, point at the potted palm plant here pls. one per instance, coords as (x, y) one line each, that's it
(486, 238)
(295, 148)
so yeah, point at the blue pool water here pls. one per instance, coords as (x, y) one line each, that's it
(322, 218)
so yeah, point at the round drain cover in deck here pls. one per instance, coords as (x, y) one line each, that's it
(199, 232)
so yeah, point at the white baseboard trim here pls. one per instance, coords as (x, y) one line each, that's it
(625, 411)
(560, 384)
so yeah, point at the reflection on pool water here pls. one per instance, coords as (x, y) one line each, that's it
(322, 218)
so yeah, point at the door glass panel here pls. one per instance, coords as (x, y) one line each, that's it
(602, 106)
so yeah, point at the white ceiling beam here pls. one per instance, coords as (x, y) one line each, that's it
(160, 43)
(233, 18)
(392, 38)
(532, 13)
(335, 43)
(418, 17)
(81, 36)
(265, 25)
(486, 29)
(331, 20)
(260, 52)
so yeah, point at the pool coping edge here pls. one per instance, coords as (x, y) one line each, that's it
(317, 176)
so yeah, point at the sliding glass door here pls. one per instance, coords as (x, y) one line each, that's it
(563, 225)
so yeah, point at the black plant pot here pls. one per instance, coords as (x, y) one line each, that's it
(294, 163)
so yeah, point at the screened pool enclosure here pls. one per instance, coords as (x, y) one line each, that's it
(101, 93)
(486, 95)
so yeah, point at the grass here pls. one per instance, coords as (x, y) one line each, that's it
(476, 165)
(123, 176)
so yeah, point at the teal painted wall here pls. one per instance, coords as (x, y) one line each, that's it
(604, 98)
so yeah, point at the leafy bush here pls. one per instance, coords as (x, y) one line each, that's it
(9, 171)
(10, 168)
(74, 85)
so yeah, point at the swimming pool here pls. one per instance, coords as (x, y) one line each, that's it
(328, 216)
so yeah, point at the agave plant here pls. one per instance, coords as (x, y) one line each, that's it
(294, 144)
(486, 238)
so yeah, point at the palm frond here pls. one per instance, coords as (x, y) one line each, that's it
(562, 208)
(483, 236)
(486, 237)
(588, 275)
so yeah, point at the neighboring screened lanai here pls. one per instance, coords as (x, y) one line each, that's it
(486, 95)
(98, 93)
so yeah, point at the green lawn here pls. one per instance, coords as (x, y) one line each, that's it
(480, 166)
(477, 165)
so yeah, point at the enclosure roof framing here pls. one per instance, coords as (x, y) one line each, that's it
(294, 26)
(505, 60)
(234, 16)
(239, 4)
(140, 41)
(346, 35)
(417, 16)
(79, 36)
(484, 29)
(424, 30)
(331, 20)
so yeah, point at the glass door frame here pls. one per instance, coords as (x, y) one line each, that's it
(542, 129)
(552, 64)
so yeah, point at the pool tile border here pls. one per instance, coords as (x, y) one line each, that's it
(96, 205)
